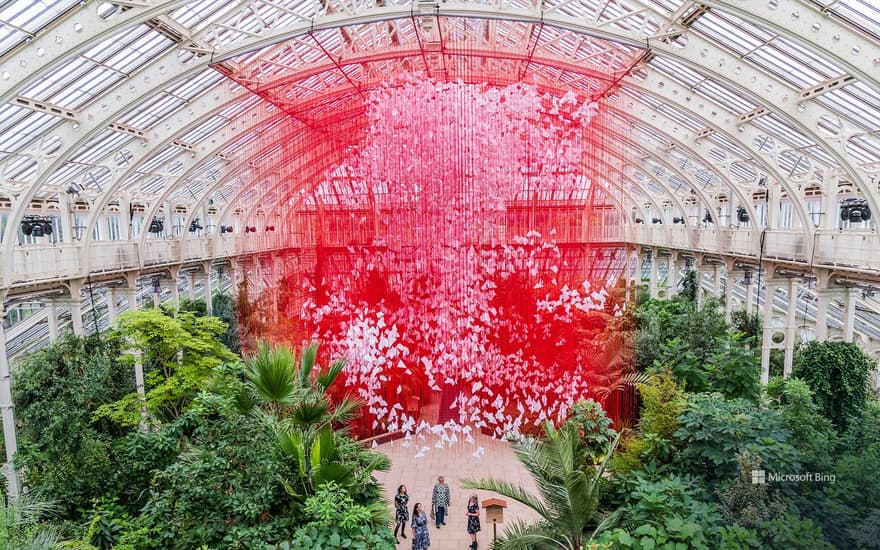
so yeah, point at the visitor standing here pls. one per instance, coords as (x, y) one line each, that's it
(440, 501)
(421, 540)
(401, 512)
(473, 517)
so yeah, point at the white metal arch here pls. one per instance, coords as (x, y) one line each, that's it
(334, 20)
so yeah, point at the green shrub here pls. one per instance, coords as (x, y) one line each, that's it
(64, 454)
(838, 373)
(714, 430)
(662, 402)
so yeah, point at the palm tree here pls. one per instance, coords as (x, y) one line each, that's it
(304, 419)
(292, 393)
(569, 493)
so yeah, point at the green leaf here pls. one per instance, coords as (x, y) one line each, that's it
(624, 538)
(674, 524)
(647, 543)
(688, 530)
(645, 530)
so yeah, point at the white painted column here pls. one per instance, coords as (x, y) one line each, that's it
(652, 281)
(790, 327)
(750, 295)
(849, 322)
(823, 299)
(130, 294)
(111, 305)
(767, 340)
(717, 274)
(7, 413)
(52, 318)
(191, 285)
(209, 291)
(175, 289)
(140, 386)
(671, 277)
(76, 307)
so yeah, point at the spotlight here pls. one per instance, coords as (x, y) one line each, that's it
(640, 220)
(225, 229)
(854, 210)
(36, 226)
(742, 215)
(707, 218)
(250, 229)
(195, 226)
(656, 220)
(157, 225)
(270, 228)
(677, 219)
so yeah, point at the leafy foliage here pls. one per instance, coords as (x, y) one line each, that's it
(662, 402)
(811, 433)
(747, 503)
(23, 524)
(65, 455)
(674, 533)
(337, 521)
(714, 430)
(659, 321)
(224, 489)
(178, 355)
(569, 501)
(837, 372)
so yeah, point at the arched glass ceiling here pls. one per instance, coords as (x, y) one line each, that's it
(723, 96)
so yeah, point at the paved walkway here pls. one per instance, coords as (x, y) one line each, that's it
(417, 463)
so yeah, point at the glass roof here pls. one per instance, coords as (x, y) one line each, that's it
(138, 110)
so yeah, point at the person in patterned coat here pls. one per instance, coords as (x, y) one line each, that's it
(421, 540)
(401, 512)
(440, 501)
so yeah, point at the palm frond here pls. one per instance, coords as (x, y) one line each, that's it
(608, 522)
(511, 491)
(270, 372)
(346, 410)
(328, 376)
(538, 536)
(310, 413)
(307, 363)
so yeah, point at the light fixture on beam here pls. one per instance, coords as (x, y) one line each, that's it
(36, 226)
(157, 226)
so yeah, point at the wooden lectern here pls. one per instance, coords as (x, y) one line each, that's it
(494, 513)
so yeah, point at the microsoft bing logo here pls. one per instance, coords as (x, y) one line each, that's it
(759, 477)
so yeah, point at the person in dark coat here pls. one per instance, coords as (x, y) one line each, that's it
(473, 519)
(401, 512)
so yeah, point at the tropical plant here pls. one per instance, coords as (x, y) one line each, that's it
(337, 522)
(298, 395)
(811, 433)
(224, 487)
(662, 402)
(837, 372)
(178, 355)
(63, 453)
(569, 499)
(24, 526)
(303, 417)
(747, 503)
(671, 534)
(714, 430)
